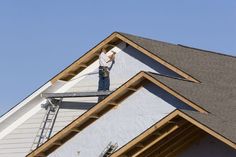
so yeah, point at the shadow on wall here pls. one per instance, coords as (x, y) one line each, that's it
(76, 105)
(149, 62)
(167, 97)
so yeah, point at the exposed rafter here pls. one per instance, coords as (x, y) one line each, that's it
(113, 39)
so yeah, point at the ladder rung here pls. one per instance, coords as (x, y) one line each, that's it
(45, 128)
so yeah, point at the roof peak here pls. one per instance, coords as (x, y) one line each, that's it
(179, 45)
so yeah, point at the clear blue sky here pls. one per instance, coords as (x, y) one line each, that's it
(40, 38)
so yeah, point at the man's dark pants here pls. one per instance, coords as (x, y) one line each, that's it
(104, 81)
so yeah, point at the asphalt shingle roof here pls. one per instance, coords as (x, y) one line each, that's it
(216, 91)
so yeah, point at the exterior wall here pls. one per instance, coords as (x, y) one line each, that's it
(209, 146)
(133, 116)
(128, 62)
(16, 140)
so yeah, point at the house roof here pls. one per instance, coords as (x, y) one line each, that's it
(113, 100)
(206, 66)
(221, 116)
(217, 91)
(209, 84)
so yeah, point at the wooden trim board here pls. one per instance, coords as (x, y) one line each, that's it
(128, 147)
(91, 56)
(104, 106)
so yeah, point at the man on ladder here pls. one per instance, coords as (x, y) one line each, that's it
(104, 70)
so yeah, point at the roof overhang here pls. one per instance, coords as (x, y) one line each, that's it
(111, 101)
(168, 137)
(113, 39)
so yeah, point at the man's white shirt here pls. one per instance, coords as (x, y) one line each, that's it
(103, 60)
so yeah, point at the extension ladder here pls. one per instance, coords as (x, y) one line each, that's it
(46, 126)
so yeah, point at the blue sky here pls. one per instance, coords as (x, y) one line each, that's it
(40, 38)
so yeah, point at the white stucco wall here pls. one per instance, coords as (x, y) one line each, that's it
(128, 62)
(17, 140)
(133, 116)
(209, 147)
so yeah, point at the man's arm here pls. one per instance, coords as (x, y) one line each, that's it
(111, 57)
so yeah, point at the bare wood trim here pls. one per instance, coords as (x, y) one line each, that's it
(113, 103)
(94, 116)
(185, 127)
(187, 137)
(72, 74)
(179, 148)
(57, 143)
(86, 116)
(132, 89)
(157, 140)
(83, 65)
(76, 130)
(141, 137)
(158, 59)
(86, 57)
(135, 141)
(208, 130)
(166, 88)
(94, 52)
(41, 155)
(140, 145)
(65, 133)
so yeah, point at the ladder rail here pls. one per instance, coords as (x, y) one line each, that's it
(45, 130)
(53, 122)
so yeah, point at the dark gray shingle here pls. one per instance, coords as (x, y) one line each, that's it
(217, 73)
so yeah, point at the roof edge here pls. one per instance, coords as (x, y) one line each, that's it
(102, 107)
(138, 139)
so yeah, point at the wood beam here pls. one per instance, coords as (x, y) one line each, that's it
(158, 59)
(76, 130)
(113, 103)
(139, 145)
(173, 145)
(161, 143)
(185, 144)
(58, 143)
(208, 130)
(85, 58)
(132, 89)
(174, 128)
(94, 116)
(131, 144)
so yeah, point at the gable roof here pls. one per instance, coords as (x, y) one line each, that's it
(113, 39)
(113, 100)
(169, 136)
(206, 66)
(209, 83)
(216, 100)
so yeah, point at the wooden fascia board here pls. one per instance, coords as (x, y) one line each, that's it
(177, 95)
(126, 87)
(208, 130)
(69, 128)
(158, 59)
(85, 57)
(165, 134)
(164, 121)
(108, 100)
(145, 134)
(90, 55)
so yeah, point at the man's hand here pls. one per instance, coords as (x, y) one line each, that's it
(112, 56)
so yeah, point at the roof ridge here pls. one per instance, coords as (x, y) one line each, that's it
(147, 38)
(181, 45)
